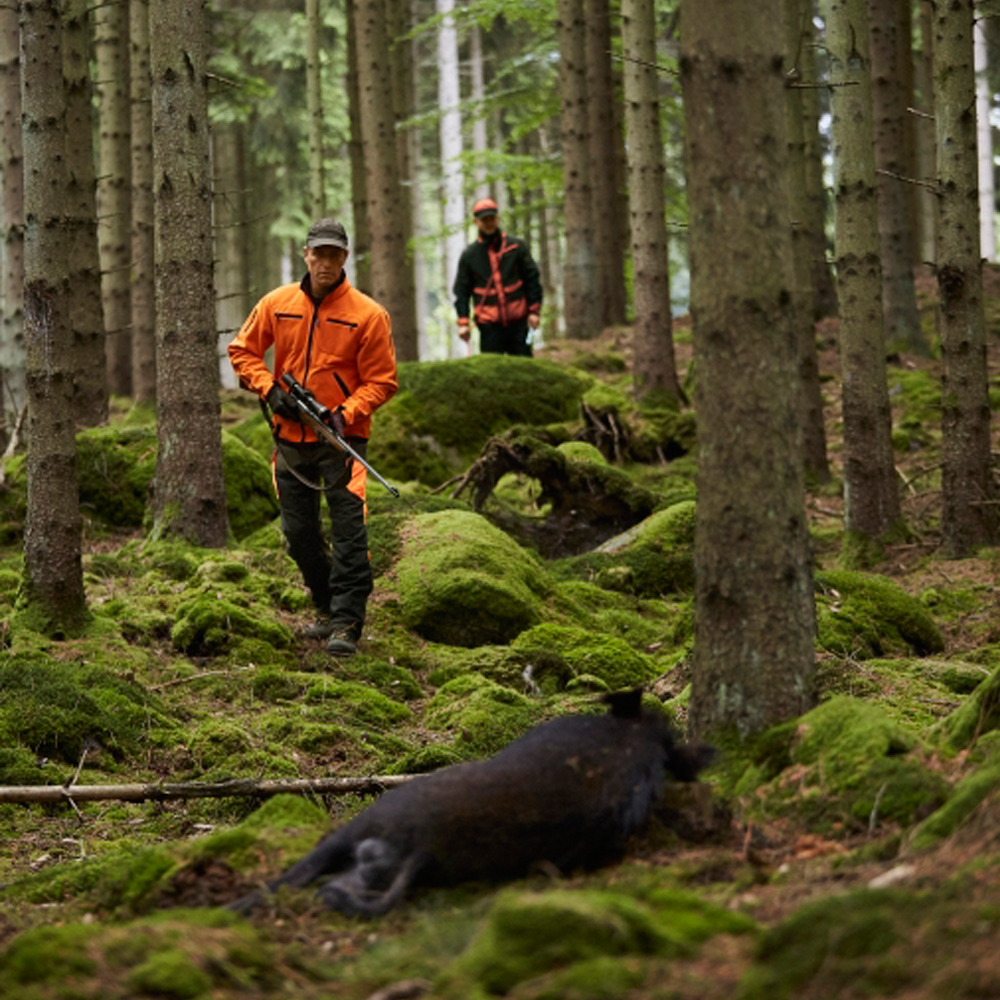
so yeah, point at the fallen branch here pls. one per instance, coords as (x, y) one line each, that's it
(194, 790)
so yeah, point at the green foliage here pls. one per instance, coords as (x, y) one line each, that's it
(207, 624)
(978, 714)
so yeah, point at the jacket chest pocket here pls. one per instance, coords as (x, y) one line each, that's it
(336, 340)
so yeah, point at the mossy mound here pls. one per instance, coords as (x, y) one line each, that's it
(250, 495)
(582, 451)
(483, 716)
(529, 934)
(653, 558)
(207, 625)
(864, 615)
(464, 582)
(844, 766)
(978, 714)
(387, 519)
(965, 798)
(56, 709)
(446, 411)
(179, 956)
(875, 943)
(606, 657)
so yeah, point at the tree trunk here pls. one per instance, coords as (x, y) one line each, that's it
(901, 322)
(923, 137)
(53, 593)
(417, 227)
(452, 186)
(391, 264)
(754, 614)
(583, 319)
(824, 290)
(480, 140)
(871, 495)
(143, 293)
(89, 360)
(605, 144)
(968, 518)
(189, 499)
(361, 243)
(114, 188)
(12, 388)
(230, 212)
(810, 395)
(653, 369)
(314, 109)
(984, 144)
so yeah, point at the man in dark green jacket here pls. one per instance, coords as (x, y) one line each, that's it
(500, 276)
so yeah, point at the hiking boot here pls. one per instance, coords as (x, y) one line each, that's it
(343, 640)
(321, 628)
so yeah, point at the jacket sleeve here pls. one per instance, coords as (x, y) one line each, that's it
(532, 281)
(462, 288)
(376, 369)
(247, 349)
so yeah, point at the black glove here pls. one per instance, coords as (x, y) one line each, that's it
(281, 404)
(337, 422)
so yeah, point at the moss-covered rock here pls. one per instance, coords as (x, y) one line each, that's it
(482, 716)
(250, 496)
(465, 583)
(609, 658)
(529, 934)
(446, 411)
(978, 714)
(966, 796)
(207, 624)
(845, 765)
(865, 615)
(387, 520)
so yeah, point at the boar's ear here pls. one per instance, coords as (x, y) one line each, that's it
(624, 704)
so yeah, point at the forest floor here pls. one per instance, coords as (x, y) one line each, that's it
(929, 928)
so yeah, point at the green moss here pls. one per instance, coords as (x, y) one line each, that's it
(483, 716)
(206, 624)
(581, 451)
(609, 658)
(388, 518)
(446, 411)
(350, 701)
(865, 615)
(978, 714)
(47, 955)
(529, 934)
(965, 797)
(464, 582)
(602, 978)
(170, 973)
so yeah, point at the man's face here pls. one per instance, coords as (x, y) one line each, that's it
(488, 224)
(325, 266)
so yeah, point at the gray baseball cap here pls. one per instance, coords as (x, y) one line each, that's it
(327, 233)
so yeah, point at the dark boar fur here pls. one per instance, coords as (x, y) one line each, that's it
(569, 792)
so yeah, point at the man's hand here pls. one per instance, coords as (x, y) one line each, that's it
(338, 423)
(533, 320)
(281, 404)
(464, 332)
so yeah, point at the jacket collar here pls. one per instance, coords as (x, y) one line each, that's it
(306, 285)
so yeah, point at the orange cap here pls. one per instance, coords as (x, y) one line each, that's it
(485, 206)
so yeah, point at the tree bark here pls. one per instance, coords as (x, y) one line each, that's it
(968, 519)
(924, 141)
(361, 243)
(901, 322)
(391, 263)
(824, 289)
(480, 140)
(984, 144)
(12, 387)
(114, 189)
(605, 146)
(754, 614)
(52, 594)
(583, 319)
(314, 109)
(142, 299)
(89, 360)
(653, 368)
(189, 499)
(796, 12)
(871, 495)
(452, 184)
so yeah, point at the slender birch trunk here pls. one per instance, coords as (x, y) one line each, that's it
(314, 110)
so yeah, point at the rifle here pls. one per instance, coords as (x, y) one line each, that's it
(318, 417)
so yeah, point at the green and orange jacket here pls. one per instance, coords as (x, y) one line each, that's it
(348, 333)
(501, 277)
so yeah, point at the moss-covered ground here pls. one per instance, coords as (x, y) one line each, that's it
(851, 852)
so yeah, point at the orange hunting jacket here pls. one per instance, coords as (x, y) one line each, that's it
(348, 333)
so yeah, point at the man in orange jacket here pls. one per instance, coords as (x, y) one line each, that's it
(501, 277)
(337, 342)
